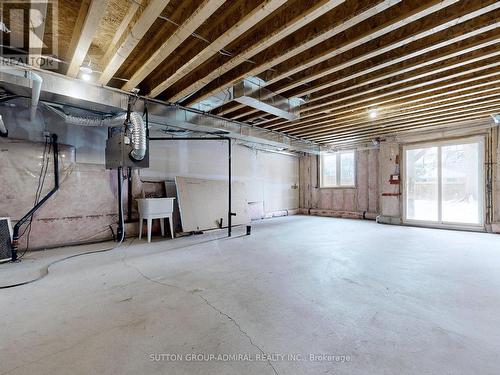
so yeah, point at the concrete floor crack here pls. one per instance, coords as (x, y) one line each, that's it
(208, 303)
(241, 331)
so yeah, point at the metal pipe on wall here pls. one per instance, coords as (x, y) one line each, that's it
(129, 194)
(120, 233)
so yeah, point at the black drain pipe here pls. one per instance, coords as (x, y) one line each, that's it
(15, 236)
(120, 232)
(229, 213)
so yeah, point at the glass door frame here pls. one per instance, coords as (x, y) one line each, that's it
(481, 180)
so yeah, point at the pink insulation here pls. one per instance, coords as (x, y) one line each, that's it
(341, 202)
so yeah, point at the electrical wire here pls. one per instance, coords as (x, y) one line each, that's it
(38, 193)
(44, 271)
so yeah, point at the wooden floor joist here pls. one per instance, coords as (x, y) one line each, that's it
(404, 119)
(473, 114)
(250, 20)
(409, 64)
(131, 38)
(276, 55)
(200, 15)
(415, 61)
(461, 27)
(309, 14)
(438, 93)
(362, 117)
(89, 17)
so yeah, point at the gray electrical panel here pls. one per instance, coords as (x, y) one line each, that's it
(118, 148)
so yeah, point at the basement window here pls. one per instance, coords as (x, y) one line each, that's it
(338, 170)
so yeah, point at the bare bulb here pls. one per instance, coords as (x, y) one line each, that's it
(373, 113)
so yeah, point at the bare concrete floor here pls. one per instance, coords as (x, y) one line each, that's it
(364, 298)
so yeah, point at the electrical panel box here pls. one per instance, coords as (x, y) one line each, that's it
(118, 148)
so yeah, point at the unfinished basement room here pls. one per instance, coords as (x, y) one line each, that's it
(249, 187)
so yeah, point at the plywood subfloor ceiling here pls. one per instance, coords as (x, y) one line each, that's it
(418, 64)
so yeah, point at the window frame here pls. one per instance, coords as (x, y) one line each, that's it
(337, 170)
(482, 180)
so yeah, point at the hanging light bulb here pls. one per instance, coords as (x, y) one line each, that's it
(86, 71)
(373, 113)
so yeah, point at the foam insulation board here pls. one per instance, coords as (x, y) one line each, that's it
(203, 202)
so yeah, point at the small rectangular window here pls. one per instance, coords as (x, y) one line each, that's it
(338, 169)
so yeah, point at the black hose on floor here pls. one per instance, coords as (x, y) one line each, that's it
(45, 270)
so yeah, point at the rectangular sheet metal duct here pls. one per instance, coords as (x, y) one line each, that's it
(62, 89)
(258, 97)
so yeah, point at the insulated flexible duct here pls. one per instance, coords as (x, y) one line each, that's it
(136, 127)
(138, 136)
(92, 121)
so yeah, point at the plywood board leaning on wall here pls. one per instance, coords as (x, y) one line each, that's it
(203, 202)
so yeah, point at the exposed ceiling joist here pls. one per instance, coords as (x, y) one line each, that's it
(455, 123)
(188, 27)
(322, 76)
(81, 41)
(243, 25)
(280, 56)
(452, 78)
(437, 93)
(310, 14)
(464, 57)
(403, 118)
(361, 116)
(392, 25)
(122, 31)
(130, 39)
(429, 123)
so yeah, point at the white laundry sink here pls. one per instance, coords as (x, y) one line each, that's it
(156, 208)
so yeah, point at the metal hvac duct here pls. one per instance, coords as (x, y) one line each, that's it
(138, 136)
(36, 87)
(255, 96)
(58, 88)
(136, 127)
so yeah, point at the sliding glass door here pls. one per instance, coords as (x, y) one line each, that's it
(444, 183)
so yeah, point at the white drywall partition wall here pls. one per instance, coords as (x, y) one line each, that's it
(203, 203)
(269, 178)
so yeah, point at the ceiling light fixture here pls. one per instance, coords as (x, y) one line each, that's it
(86, 71)
(373, 113)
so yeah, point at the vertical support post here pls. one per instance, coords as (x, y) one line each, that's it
(121, 231)
(230, 213)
